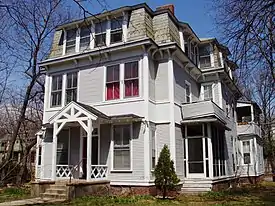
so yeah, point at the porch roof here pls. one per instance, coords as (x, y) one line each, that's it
(91, 111)
(205, 119)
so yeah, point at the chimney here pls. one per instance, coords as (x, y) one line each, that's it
(167, 6)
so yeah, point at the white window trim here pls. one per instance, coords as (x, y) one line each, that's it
(63, 94)
(153, 129)
(189, 84)
(250, 152)
(202, 90)
(122, 97)
(112, 148)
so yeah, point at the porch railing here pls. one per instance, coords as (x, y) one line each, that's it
(98, 171)
(64, 171)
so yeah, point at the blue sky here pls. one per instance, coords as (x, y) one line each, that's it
(195, 12)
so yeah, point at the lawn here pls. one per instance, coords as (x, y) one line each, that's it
(262, 194)
(13, 193)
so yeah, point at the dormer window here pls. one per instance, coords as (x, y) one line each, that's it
(100, 33)
(116, 30)
(85, 38)
(205, 60)
(71, 39)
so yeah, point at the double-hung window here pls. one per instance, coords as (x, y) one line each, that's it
(112, 82)
(122, 81)
(246, 152)
(56, 92)
(116, 30)
(70, 42)
(187, 92)
(71, 87)
(208, 94)
(131, 79)
(100, 33)
(122, 149)
(205, 60)
(85, 37)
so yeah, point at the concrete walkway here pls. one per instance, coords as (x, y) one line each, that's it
(32, 201)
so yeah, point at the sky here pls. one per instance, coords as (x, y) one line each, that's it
(195, 12)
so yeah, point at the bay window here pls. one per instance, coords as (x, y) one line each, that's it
(85, 38)
(112, 82)
(122, 149)
(207, 92)
(100, 33)
(116, 30)
(131, 79)
(56, 91)
(204, 52)
(71, 40)
(246, 152)
(122, 79)
(71, 87)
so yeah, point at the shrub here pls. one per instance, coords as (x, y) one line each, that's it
(165, 175)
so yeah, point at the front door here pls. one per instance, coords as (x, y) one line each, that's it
(195, 157)
(95, 151)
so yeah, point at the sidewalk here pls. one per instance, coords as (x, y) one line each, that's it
(32, 201)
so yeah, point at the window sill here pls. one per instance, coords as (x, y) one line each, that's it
(54, 108)
(119, 101)
(121, 171)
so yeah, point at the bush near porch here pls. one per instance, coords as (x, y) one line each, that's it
(261, 194)
(14, 193)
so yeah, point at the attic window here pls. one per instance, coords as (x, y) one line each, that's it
(116, 30)
(205, 60)
(71, 39)
(100, 33)
(85, 37)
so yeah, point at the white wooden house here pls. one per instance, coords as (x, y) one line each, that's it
(118, 89)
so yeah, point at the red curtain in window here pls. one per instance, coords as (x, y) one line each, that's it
(112, 91)
(135, 87)
(116, 90)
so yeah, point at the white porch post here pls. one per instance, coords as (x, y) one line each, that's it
(54, 148)
(89, 149)
(37, 155)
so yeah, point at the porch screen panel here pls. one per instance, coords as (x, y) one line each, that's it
(121, 153)
(62, 148)
(195, 152)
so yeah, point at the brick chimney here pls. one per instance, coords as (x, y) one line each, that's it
(167, 6)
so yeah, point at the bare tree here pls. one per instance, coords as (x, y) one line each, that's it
(248, 28)
(32, 26)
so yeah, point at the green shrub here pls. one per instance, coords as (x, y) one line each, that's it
(165, 175)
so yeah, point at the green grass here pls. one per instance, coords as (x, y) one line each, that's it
(252, 195)
(14, 193)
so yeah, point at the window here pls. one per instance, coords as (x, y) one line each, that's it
(187, 92)
(131, 79)
(39, 155)
(85, 37)
(127, 81)
(246, 152)
(112, 82)
(186, 47)
(71, 87)
(71, 39)
(153, 148)
(56, 94)
(122, 155)
(208, 94)
(116, 30)
(100, 33)
(205, 60)
(193, 55)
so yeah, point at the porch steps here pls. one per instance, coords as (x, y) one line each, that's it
(56, 191)
(196, 186)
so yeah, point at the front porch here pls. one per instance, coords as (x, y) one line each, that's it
(75, 144)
